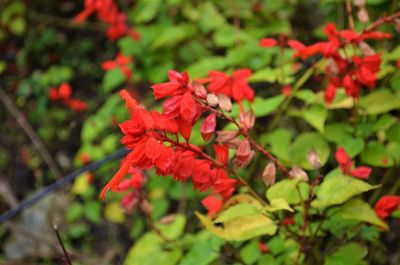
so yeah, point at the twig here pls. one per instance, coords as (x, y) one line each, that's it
(382, 20)
(66, 255)
(30, 132)
(64, 23)
(349, 12)
(59, 184)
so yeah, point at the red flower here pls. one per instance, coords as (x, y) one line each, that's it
(268, 42)
(235, 86)
(122, 62)
(222, 153)
(65, 91)
(361, 172)
(177, 85)
(76, 104)
(53, 94)
(386, 205)
(208, 127)
(263, 248)
(287, 90)
(345, 164)
(108, 13)
(213, 204)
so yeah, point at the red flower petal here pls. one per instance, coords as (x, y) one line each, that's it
(361, 172)
(208, 127)
(213, 204)
(268, 42)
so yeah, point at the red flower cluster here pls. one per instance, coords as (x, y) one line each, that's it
(132, 184)
(386, 205)
(345, 164)
(122, 62)
(235, 86)
(64, 93)
(108, 13)
(153, 137)
(343, 71)
(146, 134)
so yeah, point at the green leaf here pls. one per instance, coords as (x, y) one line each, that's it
(338, 189)
(357, 209)
(261, 106)
(240, 229)
(250, 253)
(92, 211)
(201, 68)
(352, 253)
(278, 204)
(316, 116)
(149, 250)
(379, 101)
(376, 154)
(18, 26)
(236, 211)
(172, 35)
(303, 144)
(279, 142)
(147, 10)
(393, 134)
(288, 190)
(112, 79)
(114, 213)
(306, 95)
(353, 146)
(337, 132)
(263, 75)
(203, 252)
(174, 229)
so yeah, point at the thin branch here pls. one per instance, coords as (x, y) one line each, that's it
(64, 23)
(30, 132)
(349, 11)
(382, 20)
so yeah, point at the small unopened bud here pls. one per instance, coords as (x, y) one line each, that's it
(212, 100)
(225, 136)
(366, 49)
(397, 25)
(146, 207)
(243, 149)
(199, 90)
(362, 15)
(225, 103)
(359, 3)
(269, 174)
(297, 172)
(244, 154)
(248, 119)
(168, 219)
(314, 159)
(333, 67)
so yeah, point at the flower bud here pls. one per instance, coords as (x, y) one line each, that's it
(362, 15)
(314, 159)
(366, 49)
(225, 136)
(199, 90)
(397, 25)
(359, 3)
(146, 207)
(297, 172)
(212, 100)
(225, 103)
(208, 127)
(269, 174)
(248, 119)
